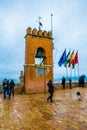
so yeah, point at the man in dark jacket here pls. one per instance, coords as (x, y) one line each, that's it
(50, 90)
(5, 87)
(11, 88)
(63, 82)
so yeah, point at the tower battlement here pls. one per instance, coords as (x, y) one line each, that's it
(38, 33)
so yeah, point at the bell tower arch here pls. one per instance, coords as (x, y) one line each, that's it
(38, 67)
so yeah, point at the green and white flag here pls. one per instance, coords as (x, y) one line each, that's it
(67, 58)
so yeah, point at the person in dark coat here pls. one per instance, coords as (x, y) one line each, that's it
(82, 81)
(70, 83)
(50, 90)
(11, 88)
(63, 82)
(5, 87)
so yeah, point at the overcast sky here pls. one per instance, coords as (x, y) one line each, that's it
(69, 31)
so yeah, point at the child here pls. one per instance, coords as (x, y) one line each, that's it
(79, 96)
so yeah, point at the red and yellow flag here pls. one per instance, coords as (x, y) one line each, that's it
(72, 59)
(76, 58)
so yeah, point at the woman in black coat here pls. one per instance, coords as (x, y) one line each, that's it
(50, 90)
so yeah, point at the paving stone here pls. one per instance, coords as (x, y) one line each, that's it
(33, 112)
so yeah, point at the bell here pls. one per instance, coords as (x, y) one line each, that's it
(39, 54)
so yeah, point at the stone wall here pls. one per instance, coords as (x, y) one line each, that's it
(74, 84)
(19, 89)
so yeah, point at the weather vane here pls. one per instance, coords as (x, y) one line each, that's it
(40, 24)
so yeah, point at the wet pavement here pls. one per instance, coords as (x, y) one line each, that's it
(33, 112)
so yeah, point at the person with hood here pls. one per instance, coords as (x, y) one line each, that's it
(5, 87)
(11, 88)
(50, 90)
(70, 83)
(63, 82)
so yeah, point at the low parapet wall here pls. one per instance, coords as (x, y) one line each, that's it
(59, 85)
(20, 90)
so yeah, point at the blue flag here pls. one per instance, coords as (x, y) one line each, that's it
(62, 58)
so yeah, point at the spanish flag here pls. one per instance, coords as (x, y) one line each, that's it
(72, 59)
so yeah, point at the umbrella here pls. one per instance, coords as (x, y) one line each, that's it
(82, 77)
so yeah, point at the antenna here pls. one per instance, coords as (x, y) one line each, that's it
(51, 23)
(52, 27)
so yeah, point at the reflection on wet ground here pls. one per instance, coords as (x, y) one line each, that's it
(33, 112)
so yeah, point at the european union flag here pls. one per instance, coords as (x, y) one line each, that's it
(63, 58)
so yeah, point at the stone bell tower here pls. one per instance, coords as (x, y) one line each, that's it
(38, 67)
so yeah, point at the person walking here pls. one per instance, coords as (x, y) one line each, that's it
(63, 82)
(11, 88)
(5, 87)
(50, 90)
(70, 83)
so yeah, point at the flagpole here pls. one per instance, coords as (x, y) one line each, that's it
(71, 72)
(78, 71)
(75, 75)
(74, 70)
(78, 65)
(67, 75)
(67, 64)
(71, 68)
(77, 61)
